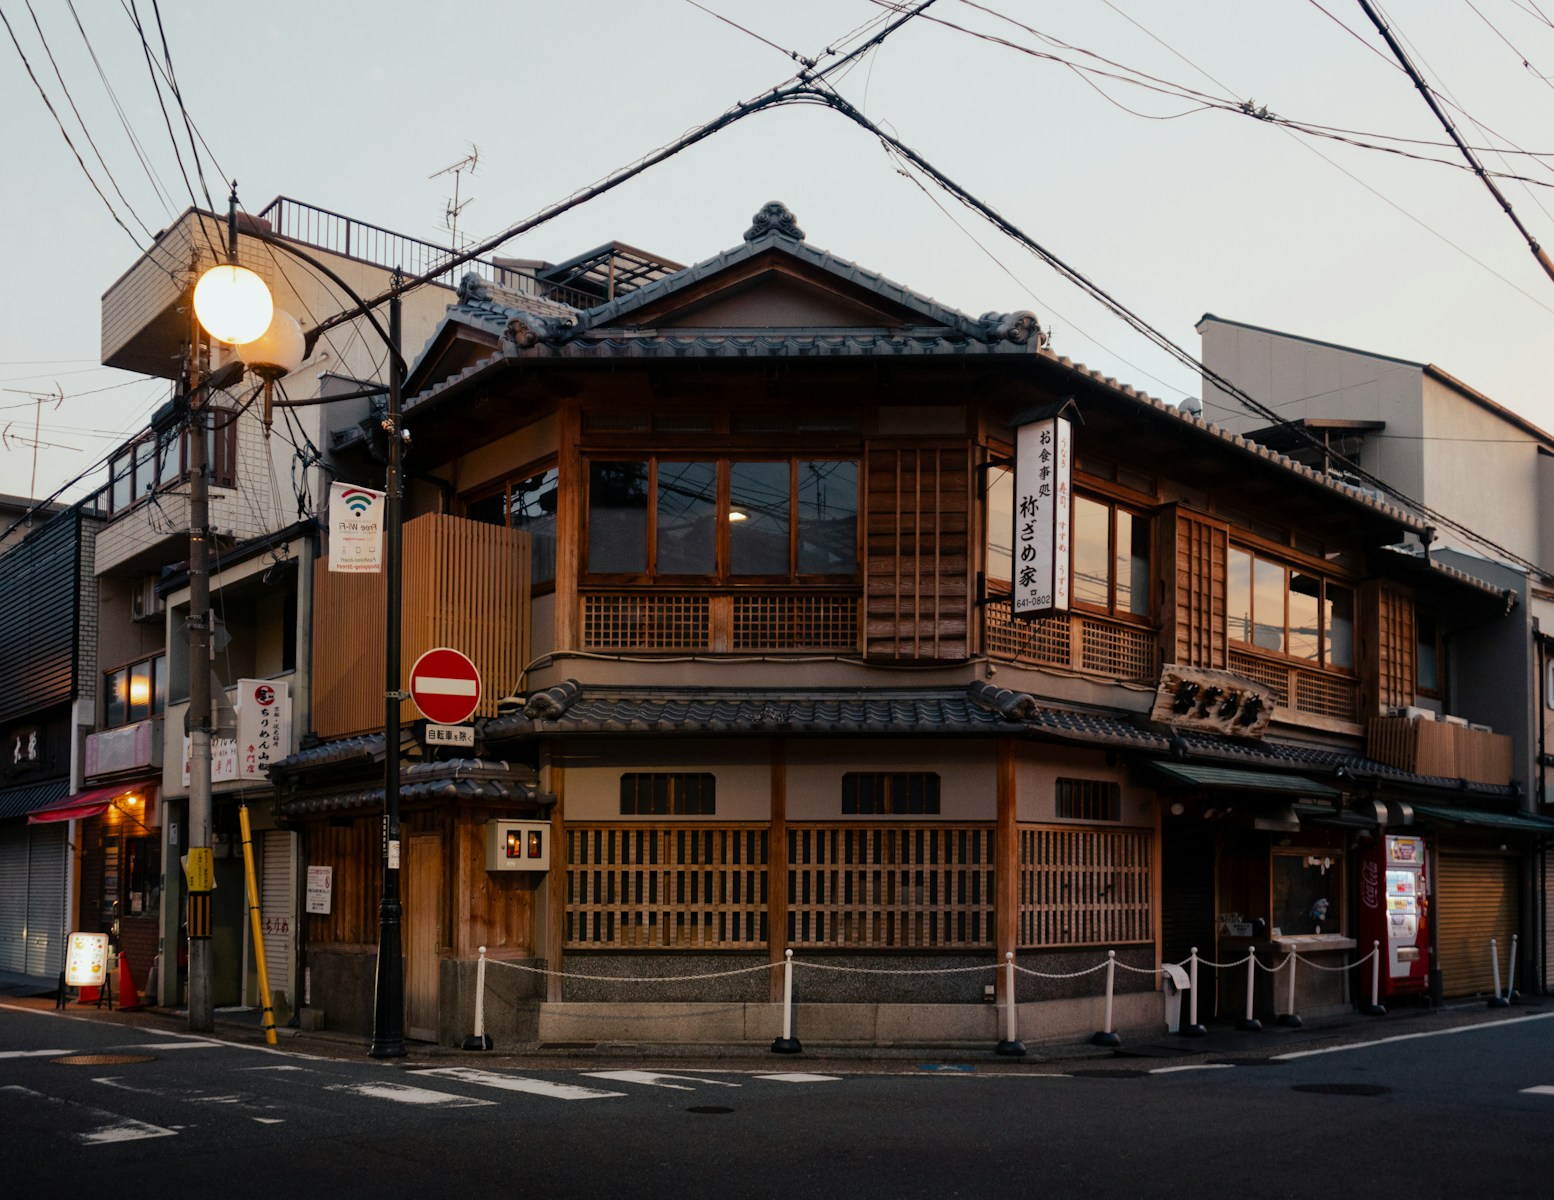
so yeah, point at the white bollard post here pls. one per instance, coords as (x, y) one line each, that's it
(1510, 981)
(1249, 1023)
(1106, 1037)
(1290, 1019)
(1375, 1008)
(787, 1043)
(1011, 1045)
(1192, 1028)
(478, 1040)
(1497, 1000)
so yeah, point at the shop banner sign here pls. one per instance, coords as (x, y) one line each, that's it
(1043, 465)
(355, 528)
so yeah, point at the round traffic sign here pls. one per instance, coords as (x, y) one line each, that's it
(445, 686)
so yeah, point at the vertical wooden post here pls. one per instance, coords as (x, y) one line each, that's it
(777, 866)
(556, 908)
(1006, 859)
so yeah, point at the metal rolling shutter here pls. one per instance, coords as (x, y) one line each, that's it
(278, 909)
(13, 899)
(1548, 920)
(1476, 899)
(46, 902)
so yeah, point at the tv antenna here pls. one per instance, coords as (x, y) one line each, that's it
(455, 206)
(7, 438)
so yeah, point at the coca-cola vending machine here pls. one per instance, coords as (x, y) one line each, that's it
(1394, 911)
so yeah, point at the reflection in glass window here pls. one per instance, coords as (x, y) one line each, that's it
(1305, 616)
(1339, 627)
(828, 517)
(1268, 581)
(1427, 667)
(1238, 595)
(617, 518)
(1110, 557)
(1092, 551)
(531, 506)
(1132, 568)
(1289, 611)
(1000, 527)
(687, 518)
(758, 518)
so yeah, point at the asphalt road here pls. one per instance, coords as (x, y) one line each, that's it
(88, 1106)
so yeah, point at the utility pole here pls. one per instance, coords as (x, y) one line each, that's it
(201, 867)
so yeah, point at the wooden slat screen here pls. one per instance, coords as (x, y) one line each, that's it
(355, 851)
(1084, 887)
(679, 886)
(1396, 646)
(917, 523)
(466, 585)
(1074, 641)
(1301, 689)
(890, 887)
(1199, 615)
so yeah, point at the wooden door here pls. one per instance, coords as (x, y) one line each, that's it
(422, 886)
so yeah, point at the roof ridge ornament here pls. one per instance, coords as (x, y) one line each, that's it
(774, 217)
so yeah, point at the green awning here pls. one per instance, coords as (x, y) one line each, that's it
(1486, 820)
(1233, 779)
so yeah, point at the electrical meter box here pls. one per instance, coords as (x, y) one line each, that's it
(517, 845)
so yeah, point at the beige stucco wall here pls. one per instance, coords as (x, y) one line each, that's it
(594, 769)
(967, 772)
(1040, 767)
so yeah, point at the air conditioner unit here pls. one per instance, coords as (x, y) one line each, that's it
(145, 604)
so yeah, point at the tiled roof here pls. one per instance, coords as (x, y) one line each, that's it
(452, 779)
(774, 343)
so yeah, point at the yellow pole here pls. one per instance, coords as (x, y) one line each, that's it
(255, 926)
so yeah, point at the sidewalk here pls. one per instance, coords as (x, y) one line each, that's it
(1223, 1043)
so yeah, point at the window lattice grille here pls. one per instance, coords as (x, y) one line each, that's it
(665, 621)
(1104, 647)
(875, 887)
(1300, 688)
(643, 887)
(1089, 800)
(812, 622)
(1084, 887)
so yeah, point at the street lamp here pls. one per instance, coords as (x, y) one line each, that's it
(231, 314)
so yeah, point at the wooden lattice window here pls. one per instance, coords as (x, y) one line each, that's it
(890, 887)
(668, 793)
(1089, 800)
(1084, 887)
(644, 887)
(875, 793)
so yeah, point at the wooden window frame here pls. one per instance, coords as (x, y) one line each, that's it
(146, 474)
(891, 794)
(1290, 567)
(503, 488)
(678, 797)
(1110, 609)
(1087, 800)
(153, 706)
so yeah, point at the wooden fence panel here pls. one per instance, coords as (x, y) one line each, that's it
(1084, 887)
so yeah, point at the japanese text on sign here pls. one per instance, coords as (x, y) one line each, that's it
(1043, 503)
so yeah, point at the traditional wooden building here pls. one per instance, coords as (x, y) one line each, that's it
(734, 545)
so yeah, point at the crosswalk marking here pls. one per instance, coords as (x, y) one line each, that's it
(113, 1127)
(517, 1083)
(405, 1094)
(656, 1079)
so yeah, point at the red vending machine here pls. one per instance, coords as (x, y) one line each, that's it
(1394, 911)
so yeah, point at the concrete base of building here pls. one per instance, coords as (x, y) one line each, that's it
(881, 1025)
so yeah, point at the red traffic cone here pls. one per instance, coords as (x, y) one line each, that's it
(128, 997)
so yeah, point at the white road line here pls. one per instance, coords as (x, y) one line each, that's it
(114, 1128)
(1540, 1090)
(1409, 1037)
(1192, 1067)
(656, 1079)
(270, 1120)
(516, 1083)
(202, 1044)
(404, 1094)
(34, 1053)
(800, 1077)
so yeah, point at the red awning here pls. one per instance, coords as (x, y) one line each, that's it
(81, 806)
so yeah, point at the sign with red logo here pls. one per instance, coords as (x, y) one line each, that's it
(445, 686)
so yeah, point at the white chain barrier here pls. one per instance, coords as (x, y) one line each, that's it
(1010, 1044)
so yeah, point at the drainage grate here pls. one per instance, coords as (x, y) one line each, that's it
(709, 1108)
(1343, 1089)
(102, 1060)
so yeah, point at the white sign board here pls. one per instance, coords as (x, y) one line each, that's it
(450, 735)
(263, 709)
(86, 960)
(1043, 510)
(355, 528)
(321, 882)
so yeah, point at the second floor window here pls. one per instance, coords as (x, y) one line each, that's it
(135, 691)
(528, 503)
(1111, 558)
(159, 460)
(1288, 611)
(716, 520)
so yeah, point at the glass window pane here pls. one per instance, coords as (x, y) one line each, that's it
(1305, 628)
(532, 508)
(492, 509)
(1340, 626)
(1427, 666)
(1132, 568)
(1238, 595)
(1092, 551)
(1268, 588)
(117, 699)
(123, 486)
(168, 466)
(1000, 525)
(828, 518)
(617, 518)
(140, 691)
(687, 537)
(159, 683)
(758, 518)
(145, 467)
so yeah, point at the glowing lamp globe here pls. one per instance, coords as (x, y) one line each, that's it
(278, 351)
(233, 304)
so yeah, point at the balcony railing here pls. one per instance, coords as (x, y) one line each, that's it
(1074, 641)
(1302, 689)
(665, 620)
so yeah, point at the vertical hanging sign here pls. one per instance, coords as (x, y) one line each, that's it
(1043, 461)
(355, 528)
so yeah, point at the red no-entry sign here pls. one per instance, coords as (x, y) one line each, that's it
(445, 686)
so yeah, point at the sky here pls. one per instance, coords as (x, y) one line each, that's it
(1176, 198)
